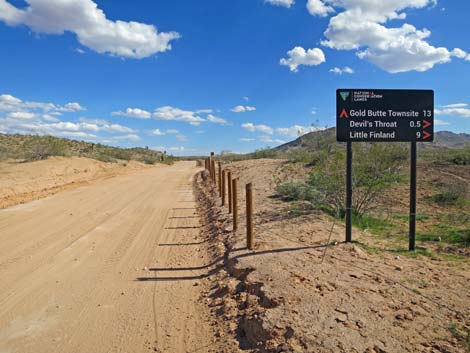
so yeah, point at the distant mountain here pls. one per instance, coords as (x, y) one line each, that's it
(311, 140)
(451, 140)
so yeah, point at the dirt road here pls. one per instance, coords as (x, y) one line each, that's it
(89, 269)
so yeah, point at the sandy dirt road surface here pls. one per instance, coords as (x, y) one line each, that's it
(89, 269)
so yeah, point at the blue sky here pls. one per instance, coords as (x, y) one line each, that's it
(192, 77)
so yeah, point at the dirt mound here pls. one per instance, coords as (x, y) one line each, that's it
(23, 182)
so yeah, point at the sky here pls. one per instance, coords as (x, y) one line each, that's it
(191, 77)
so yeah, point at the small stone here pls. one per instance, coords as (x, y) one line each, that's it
(233, 326)
(409, 316)
(251, 300)
(398, 268)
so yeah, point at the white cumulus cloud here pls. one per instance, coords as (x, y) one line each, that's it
(134, 113)
(455, 105)
(243, 108)
(439, 122)
(361, 25)
(284, 3)
(295, 130)
(340, 71)
(21, 115)
(11, 103)
(90, 25)
(269, 139)
(458, 109)
(158, 132)
(216, 120)
(317, 7)
(176, 114)
(299, 56)
(71, 107)
(261, 128)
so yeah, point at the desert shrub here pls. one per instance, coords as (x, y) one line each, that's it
(446, 198)
(104, 158)
(263, 153)
(149, 159)
(453, 156)
(308, 157)
(111, 154)
(461, 236)
(35, 147)
(375, 167)
(461, 334)
(295, 191)
(451, 194)
(3, 153)
(300, 208)
(121, 154)
(461, 157)
(43, 148)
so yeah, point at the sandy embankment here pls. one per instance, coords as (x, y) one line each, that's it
(23, 182)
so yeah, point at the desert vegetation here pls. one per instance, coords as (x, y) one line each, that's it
(28, 148)
(381, 182)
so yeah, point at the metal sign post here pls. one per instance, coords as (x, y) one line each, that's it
(370, 115)
(413, 168)
(349, 192)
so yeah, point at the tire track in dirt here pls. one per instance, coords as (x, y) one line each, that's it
(85, 293)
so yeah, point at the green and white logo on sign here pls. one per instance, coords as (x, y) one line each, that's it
(344, 95)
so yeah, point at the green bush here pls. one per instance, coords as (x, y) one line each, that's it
(454, 156)
(447, 236)
(310, 158)
(461, 157)
(375, 167)
(294, 191)
(263, 153)
(34, 147)
(104, 158)
(45, 148)
(446, 198)
(149, 159)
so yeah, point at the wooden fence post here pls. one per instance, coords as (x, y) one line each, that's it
(209, 163)
(223, 187)
(220, 178)
(229, 184)
(249, 217)
(213, 172)
(234, 204)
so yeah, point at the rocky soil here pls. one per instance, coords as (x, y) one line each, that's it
(293, 293)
